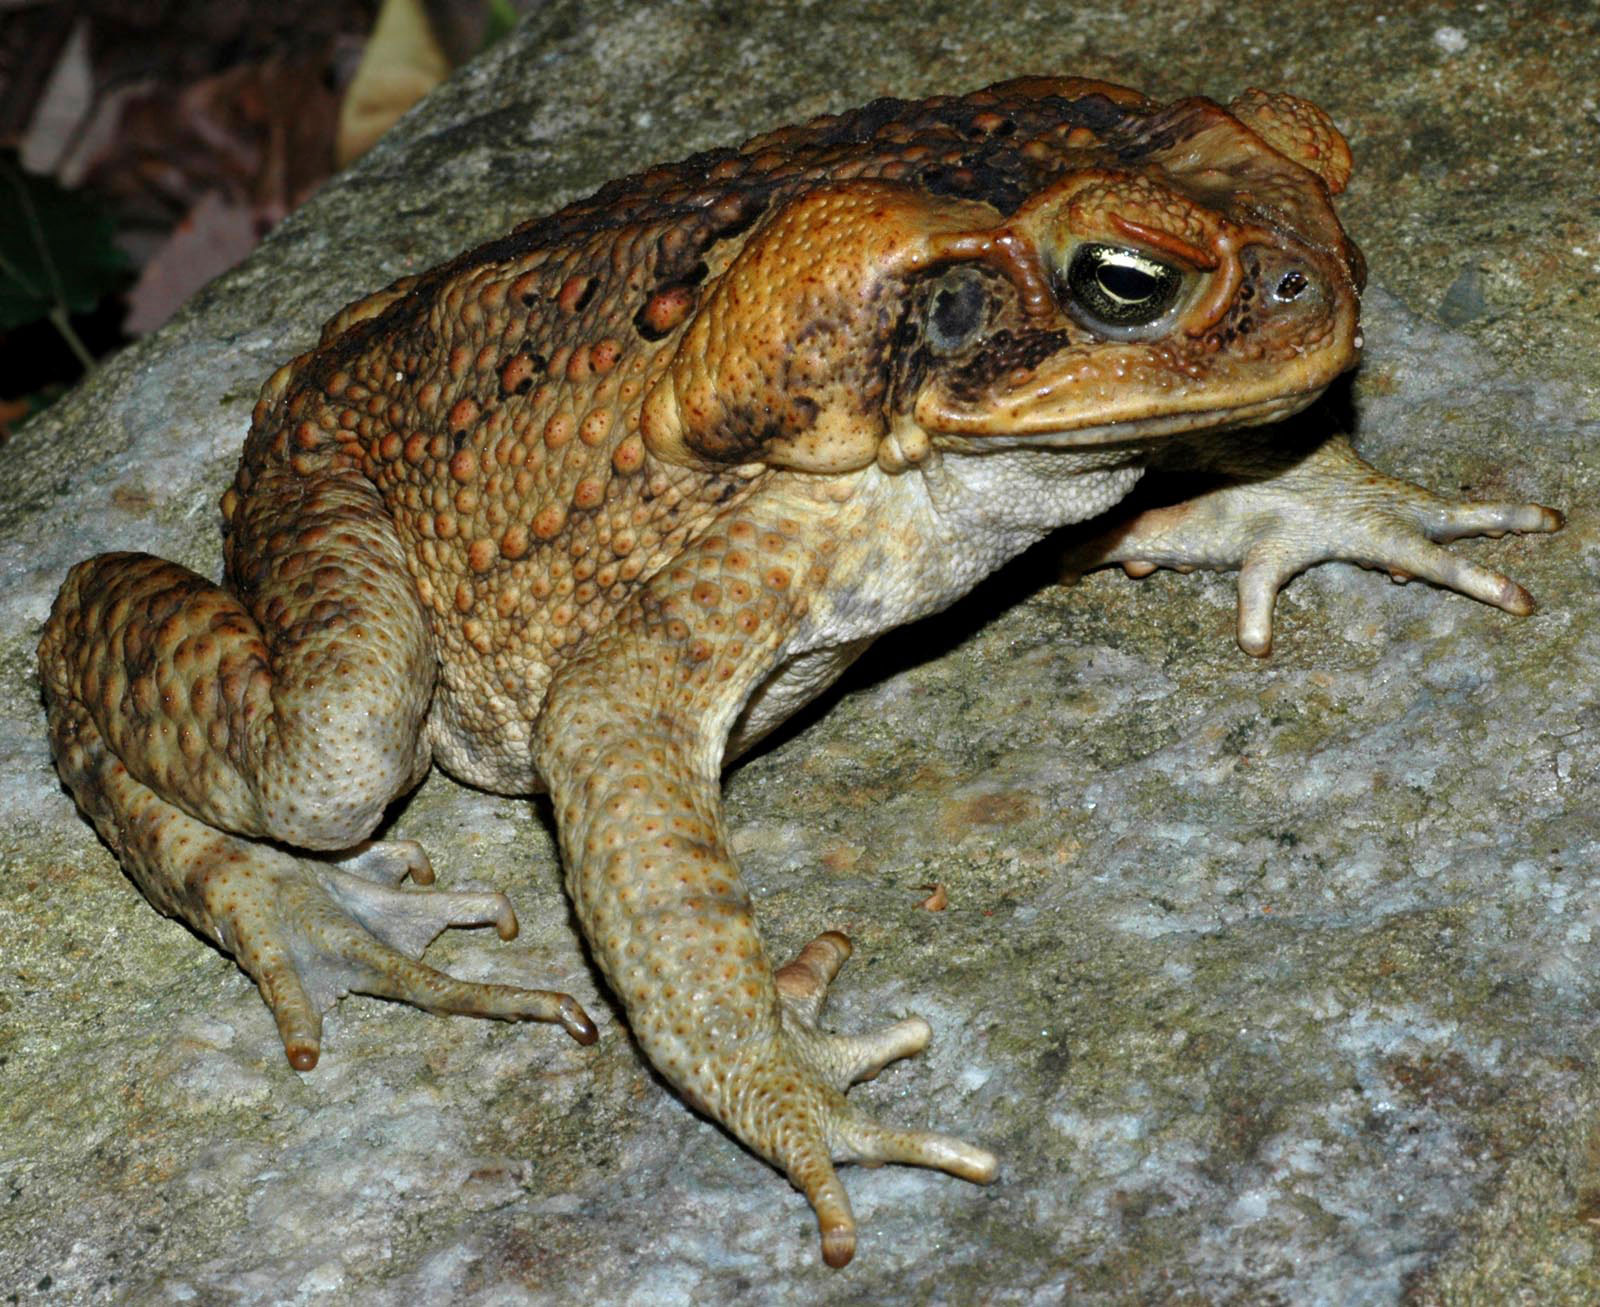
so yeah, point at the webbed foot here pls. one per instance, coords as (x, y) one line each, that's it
(309, 931)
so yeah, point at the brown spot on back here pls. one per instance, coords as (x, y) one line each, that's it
(664, 312)
(549, 521)
(575, 293)
(629, 455)
(517, 373)
(514, 541)
(589, 493)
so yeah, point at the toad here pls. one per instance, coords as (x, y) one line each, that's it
(593, 507)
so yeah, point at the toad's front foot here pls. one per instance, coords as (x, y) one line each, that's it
(309, 931)
(1278, 512)
(785, 1096)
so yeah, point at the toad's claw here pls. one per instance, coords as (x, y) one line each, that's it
(810, 1126)
(309, 932)
(1283, 512)
(389, 861)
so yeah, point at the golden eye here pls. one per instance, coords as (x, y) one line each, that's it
(1112, 286)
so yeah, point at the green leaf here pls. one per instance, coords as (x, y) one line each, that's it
(502, 18)
(57, 255)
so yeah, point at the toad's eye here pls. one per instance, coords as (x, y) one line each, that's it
(1111, 286)
(956, 311)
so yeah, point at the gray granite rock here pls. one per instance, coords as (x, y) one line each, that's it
(1270, 982)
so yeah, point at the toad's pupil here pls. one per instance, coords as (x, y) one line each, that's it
(1126, 283)
(1291, 285)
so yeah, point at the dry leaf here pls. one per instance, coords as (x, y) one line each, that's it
(214, 236)
(12, 411)
(66, 101)
(401, 64)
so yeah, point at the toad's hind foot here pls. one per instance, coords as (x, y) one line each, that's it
(310, 931)
(798, 1087)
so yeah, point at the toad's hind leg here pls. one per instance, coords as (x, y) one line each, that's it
(195, 723)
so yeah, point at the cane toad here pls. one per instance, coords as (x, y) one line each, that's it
(591, 507)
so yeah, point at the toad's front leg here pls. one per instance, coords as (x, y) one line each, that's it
(1273, 510)
(631, 744)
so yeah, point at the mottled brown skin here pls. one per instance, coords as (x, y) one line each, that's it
(592, 507)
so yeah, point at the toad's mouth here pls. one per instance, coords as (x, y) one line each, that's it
(1120, 431)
